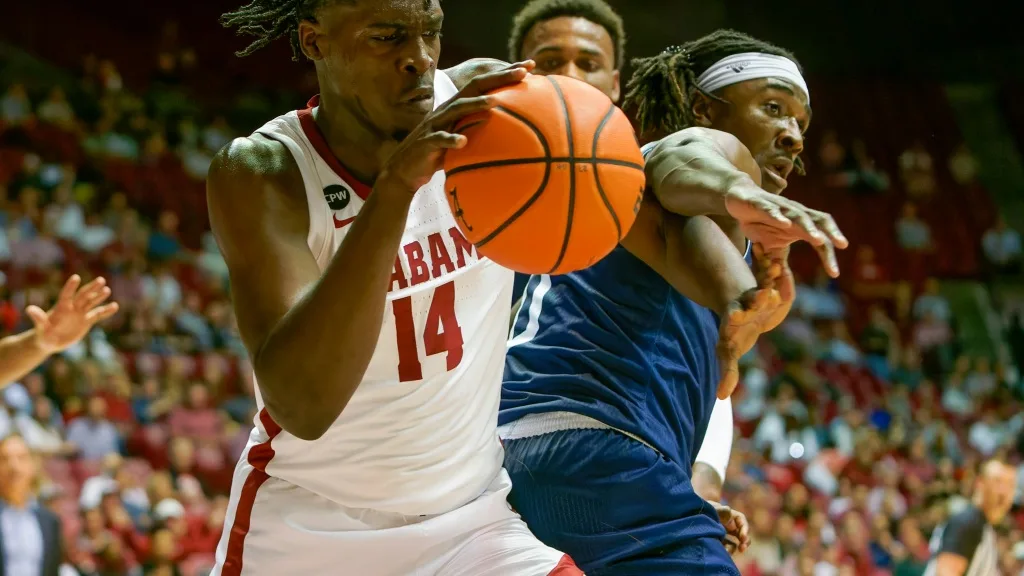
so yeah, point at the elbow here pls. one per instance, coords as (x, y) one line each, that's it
(296, 402)
(308, 430)
(304, 422)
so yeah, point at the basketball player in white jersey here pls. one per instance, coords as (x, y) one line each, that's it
(378, 377)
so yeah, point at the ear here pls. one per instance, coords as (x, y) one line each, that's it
(616, 87)
(309, 37)
(702, 109)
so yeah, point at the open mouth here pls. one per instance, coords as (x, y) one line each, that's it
(780, 167)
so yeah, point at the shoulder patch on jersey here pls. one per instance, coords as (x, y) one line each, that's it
(338, 196)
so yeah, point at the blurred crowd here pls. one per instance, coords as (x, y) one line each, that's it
(861, 422)
(134, 431)
(856, 445)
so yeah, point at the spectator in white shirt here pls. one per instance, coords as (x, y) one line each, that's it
(40, 433)
(932, 301)
(94, 435)
(913, 233)
(56, 110)
(65, 216)
(1002, 248)
(988, 434)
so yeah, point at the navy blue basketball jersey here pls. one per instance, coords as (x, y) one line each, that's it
(619, 344)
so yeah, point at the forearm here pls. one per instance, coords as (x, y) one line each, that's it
(313, 360)
(717, 446)
(19, 354)
(704, 264)
(691, 172)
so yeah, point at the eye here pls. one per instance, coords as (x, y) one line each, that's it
(432, 34)
(389, 38)
(550, 64)
(589, 65)
(773, 108)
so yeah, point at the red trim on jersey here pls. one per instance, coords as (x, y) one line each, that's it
(259, 456)
(566, 567)
(316, 138)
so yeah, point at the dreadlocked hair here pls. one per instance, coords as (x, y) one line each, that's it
(663, 88)
(596, 11)
(269, 20)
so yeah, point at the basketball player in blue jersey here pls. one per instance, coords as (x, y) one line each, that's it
(584, 39)
(611, 373)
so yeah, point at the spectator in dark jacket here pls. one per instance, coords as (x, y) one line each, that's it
(30, 535)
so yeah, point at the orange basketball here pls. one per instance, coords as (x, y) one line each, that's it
(550, 179)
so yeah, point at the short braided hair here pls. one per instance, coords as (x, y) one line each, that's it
(597, 11)
(269, 20)
(663, 87)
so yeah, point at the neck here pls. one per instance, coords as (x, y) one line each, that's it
(16, 497)
(360, 146)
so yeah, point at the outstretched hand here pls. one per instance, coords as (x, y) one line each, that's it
(73, 315)
(775, 222)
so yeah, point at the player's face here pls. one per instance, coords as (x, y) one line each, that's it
(574, 47)
(378, 57)
(770, 117)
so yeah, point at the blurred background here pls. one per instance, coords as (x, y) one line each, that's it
(861, 421)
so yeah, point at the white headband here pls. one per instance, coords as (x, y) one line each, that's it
(750, 66)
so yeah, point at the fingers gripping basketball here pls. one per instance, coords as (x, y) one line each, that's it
(550, 179)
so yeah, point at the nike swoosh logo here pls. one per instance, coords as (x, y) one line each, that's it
(343, 223)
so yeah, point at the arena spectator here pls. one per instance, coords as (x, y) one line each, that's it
(196, 419)
(30, 535)
(15, 107)
(872, 281)
(92, 434)
(40, 432)
(913, 234)
(981, 380)
(162, 289)
(64, 215)
(862, 173)
(832, 156)
(821, 300)
(963, 165)
(932, 301)
(1002, 248)
(37, 252)
(880, 342)
(918, 172)
(988, 434)
(966, 544)
(56, 110)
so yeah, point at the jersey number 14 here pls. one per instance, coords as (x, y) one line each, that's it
(441, 333)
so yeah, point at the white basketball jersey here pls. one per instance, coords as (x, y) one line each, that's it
(418, 436)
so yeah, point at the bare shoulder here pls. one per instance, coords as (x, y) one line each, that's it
(255, 179)
(251, 159)
(462, 74)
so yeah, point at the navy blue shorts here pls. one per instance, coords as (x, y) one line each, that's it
(614, 505)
